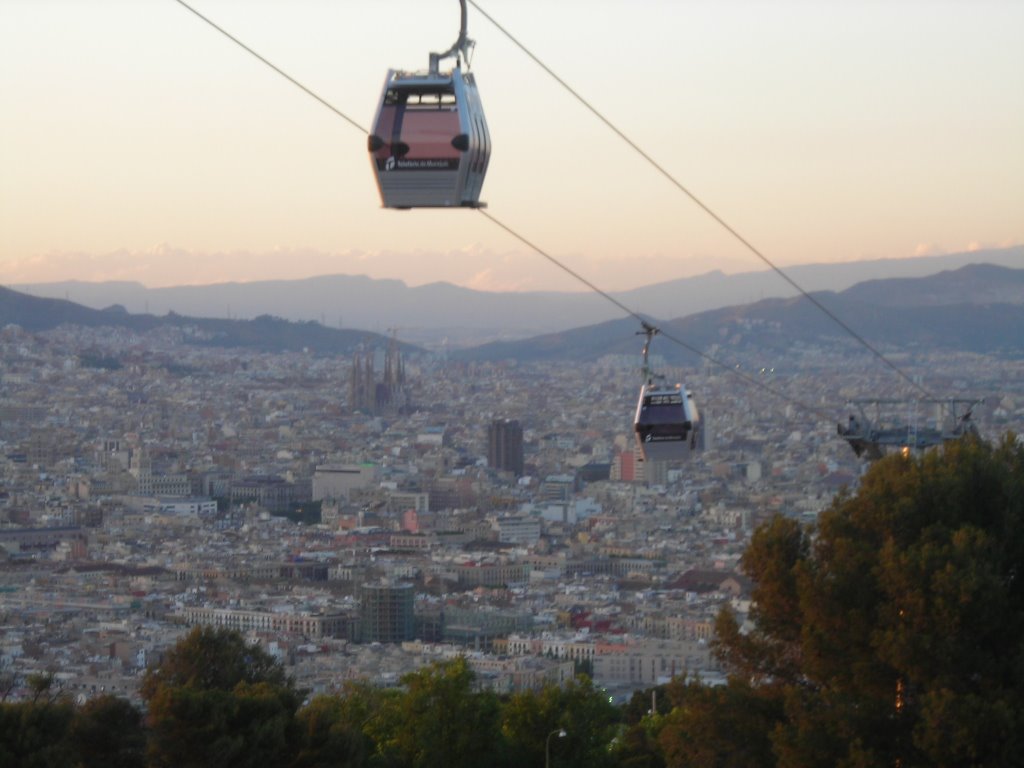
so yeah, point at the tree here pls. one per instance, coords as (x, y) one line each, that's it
(35, 733)
(107, 732)
(718, 727)
(891, 632)
(217, 701)
(636, 745)
(639, 705)
(590, 722)
(330, 730)
(439, 720)
(209, 658)
(772, 650)
(43, 689)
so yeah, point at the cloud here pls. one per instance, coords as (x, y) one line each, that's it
(491, 280)
(165, 264)
(929, 249)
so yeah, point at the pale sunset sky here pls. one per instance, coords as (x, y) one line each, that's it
(137, 143)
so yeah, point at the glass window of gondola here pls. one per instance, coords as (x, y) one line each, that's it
(668, 430)
(662, 409)
(422, 97)
(663, 399)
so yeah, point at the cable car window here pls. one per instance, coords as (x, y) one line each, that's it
(413, 99)
(668, 430)
(673, 398)
(431, 101)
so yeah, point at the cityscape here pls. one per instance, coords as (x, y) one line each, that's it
(362, 516)
(531, 471)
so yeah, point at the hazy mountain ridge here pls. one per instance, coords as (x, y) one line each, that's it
(976, 284)
(906, 313)
(953, 309)
(428, 313)
(715, 289)
(264, 333)
(353, 301)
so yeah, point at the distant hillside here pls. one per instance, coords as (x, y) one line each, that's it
(264, 333)
(431, 313)
(952, 310)
(974, 284)
(979, 307)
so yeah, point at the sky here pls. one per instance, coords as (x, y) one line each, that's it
(137, 143)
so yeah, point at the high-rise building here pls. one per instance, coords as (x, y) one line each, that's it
(628, 467)
(505, 446)
(386, 613)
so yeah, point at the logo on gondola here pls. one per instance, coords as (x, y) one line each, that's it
(396, 163)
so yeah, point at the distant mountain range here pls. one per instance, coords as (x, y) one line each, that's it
(979, 307)
(264, 333)
(429, 314)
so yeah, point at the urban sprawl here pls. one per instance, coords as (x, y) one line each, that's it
(362, 516)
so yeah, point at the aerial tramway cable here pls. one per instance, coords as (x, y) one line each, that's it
(700, 203)
(714, 361)
(552, 259)
(281, 72)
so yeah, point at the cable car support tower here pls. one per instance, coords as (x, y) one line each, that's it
(871, 438)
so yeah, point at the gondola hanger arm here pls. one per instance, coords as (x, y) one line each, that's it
(461, 46)
(649, 331)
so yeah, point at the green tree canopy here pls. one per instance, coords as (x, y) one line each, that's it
(332, 730)
(217, 701)
(439, 720)
(34, 733)
(590, 722)
(107, 732)
(210, 658)
(892, 631)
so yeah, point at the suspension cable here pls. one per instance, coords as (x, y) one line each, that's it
(281, 72)
(750, 380)
(700, 203)
(700, 353)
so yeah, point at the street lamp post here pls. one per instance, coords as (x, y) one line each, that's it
(547, 745)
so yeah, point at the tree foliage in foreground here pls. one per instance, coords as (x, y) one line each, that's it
(893, 632)
(34, 733)
(215, 700)
(579, 708)
(108, 732)
(439, 720)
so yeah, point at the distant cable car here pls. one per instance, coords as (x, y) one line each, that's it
(430, 146)
(666, 421)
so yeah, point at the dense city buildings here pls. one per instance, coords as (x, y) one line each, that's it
(497, 511)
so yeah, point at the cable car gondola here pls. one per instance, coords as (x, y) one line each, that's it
(666, 421)
(430, 146)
